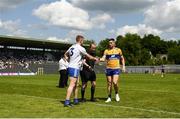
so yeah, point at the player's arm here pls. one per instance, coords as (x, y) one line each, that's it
(83, 51)
(91, 57)
(123, 62)
(85, 64)
(66, 55)
(65, 64)
(103, 58)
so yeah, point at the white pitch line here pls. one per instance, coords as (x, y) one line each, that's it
(134, 108)
(106, 105)
(159, 91)
(37, 97)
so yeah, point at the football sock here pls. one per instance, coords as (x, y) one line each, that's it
(82, 93)
(92, 92)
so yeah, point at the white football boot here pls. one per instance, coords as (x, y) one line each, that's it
(108, 100)
(117, 98)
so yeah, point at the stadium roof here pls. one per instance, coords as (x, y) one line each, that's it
(32, 43)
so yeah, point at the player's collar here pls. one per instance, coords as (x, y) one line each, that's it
(112, 48)
(78, 44)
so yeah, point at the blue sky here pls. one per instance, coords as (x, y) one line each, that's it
(95, 19)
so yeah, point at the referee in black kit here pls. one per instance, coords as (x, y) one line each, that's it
(88, 74)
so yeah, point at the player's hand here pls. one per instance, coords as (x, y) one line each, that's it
(97, 60)
(90, 68)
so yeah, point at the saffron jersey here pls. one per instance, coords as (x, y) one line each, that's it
(113, 57)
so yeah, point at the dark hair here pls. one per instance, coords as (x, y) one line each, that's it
(111, 39)
(90, 45)
(78, 37)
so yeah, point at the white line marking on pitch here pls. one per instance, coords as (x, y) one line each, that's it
(159, 91)
(134, 108)
(30, 96)
(106, 105)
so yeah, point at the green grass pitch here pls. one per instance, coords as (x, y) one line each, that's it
(142, 95)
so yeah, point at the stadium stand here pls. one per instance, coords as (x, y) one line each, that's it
(26, 55)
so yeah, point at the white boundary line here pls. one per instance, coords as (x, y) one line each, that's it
(106, 105)
(158, 91)
(29, 96)
(134, 108)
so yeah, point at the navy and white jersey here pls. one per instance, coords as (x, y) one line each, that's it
(76, 52)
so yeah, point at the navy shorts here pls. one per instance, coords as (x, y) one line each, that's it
(112, 72)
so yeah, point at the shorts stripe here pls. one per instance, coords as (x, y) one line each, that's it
(72, 72)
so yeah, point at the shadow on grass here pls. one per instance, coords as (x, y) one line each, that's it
(62, 102)
(97, 99)
(101, 98)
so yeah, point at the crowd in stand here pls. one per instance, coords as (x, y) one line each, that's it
(9, 59)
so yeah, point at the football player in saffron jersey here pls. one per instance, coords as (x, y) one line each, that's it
(113, 56)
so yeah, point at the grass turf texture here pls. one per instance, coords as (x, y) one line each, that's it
(142, 95)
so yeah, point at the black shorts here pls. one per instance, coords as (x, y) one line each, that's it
(88, 76)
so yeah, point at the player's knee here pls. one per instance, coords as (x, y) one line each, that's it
(74, 86)
(93, 85)
(84, 85)
(115, 83)
(109, 81)
(109, 84)
(71, 85)
(83, 88)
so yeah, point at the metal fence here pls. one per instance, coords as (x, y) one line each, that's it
(153, 69)
(52, 68)
(144, 69)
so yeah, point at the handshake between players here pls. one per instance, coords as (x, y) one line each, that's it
(76, 52)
